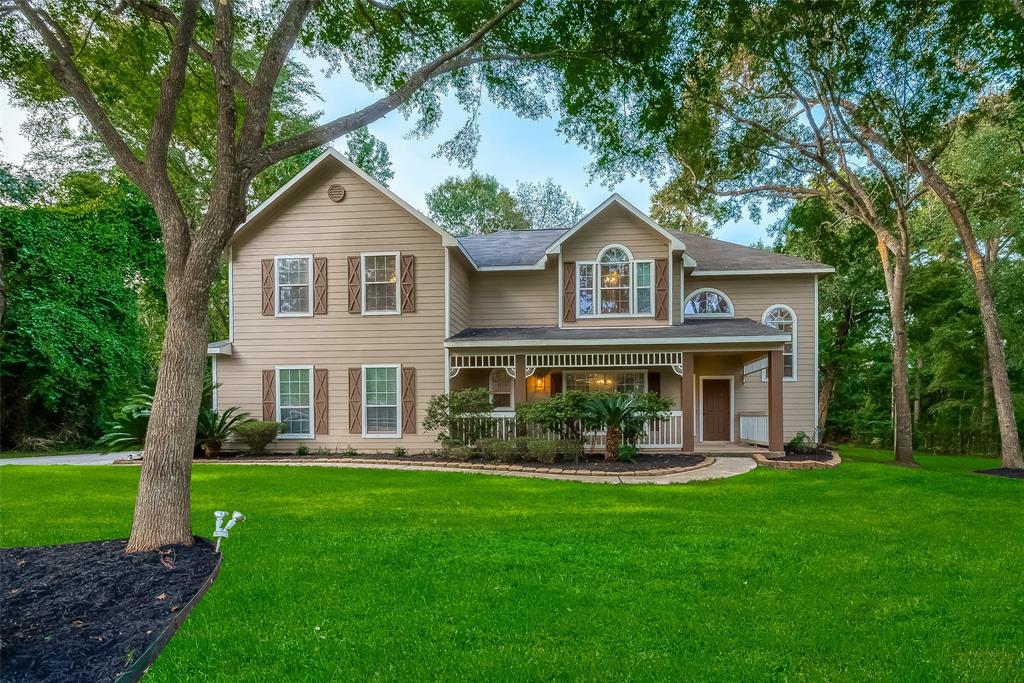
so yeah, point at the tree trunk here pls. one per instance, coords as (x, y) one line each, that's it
(612, 441)
(830, 373)
(1008, 437)
(162, 507)
(895, 267)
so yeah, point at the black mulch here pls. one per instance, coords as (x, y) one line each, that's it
(1009, 472)
(86, 611)
(591, 463)
(817, 456)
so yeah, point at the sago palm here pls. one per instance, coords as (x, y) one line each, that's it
(611, 411)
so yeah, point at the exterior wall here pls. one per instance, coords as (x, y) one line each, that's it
(615, 225)
(309, 223)
(459, 304)
(515, 298)
(751, 296)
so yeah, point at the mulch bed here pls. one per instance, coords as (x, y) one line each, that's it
(1008, 472)
(820, 456)
(87, 611)
(590, 463)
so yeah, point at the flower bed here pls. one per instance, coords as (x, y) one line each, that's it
(89, 612)
(818, 459)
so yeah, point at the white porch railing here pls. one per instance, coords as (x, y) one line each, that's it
(502, 425)
(754, 428)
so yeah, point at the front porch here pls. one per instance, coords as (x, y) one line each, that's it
(732, 395)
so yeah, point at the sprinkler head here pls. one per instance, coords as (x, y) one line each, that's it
(236, 517)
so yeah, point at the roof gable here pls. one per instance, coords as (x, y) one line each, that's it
(332, 155)
(615, 199)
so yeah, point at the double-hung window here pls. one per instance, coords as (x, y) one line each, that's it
(380, 283)
(381, 391)
(295, 401)
(293, 284)
(614, 284)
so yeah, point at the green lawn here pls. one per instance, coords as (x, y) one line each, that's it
(866, 572)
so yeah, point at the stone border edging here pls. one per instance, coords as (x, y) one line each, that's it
(764, 461)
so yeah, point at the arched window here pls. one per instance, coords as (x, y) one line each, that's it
(500, 384)
(614, 284)
(708, 302)
(615, 280)
(783, 319)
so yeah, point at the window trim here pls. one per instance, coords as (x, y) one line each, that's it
(397, 434)
(512, 393)
(277, 400)
(792, 340)
(277, 287)
(397, 255)
(691, 295)
(596, 265)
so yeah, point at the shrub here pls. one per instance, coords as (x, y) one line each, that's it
(564, 414)
(459, 452)
(214, 428)
(649, 407)
(324, 452)
(461, 416)
(800, 444)
(258, 434)
(399, 452)
(612, 412)
(501, 450)
(627, 452)
(543, 450)
(350, 452)
(302, 450)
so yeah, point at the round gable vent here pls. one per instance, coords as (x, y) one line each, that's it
(336, 193)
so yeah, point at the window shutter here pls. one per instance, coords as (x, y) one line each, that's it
(267, 285)
(569, 292)
(354, 289)
(321, 401)
(269, 395)
(319, 285)
(408, 400)
(355, 400)
(556, 383)
(408, 293)
(661, 289)
(654, 382)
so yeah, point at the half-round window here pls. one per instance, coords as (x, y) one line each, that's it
(783, 319)
(615, 255)
(708, 302)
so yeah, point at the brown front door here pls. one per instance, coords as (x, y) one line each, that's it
(715, 406)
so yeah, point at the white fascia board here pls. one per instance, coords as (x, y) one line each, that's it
(677, 244)
(480, 343)
(779, 271)
(539, 265)
(447, 239)
(218, 349)
(688, 261)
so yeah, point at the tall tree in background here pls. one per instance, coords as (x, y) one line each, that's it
(370, 154)
(475, 205)
(547, 206)
(136, 70)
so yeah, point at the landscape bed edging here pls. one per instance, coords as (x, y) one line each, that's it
(769, 463)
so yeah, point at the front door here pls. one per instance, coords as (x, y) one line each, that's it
(715, 406)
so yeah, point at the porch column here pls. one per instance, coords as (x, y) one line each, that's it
(686, 403)
(520, 381)
(775, 401)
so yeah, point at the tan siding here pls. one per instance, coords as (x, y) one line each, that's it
(308, 222)
(458, 295)
(517, 298)
(750, 296)
(616, 225)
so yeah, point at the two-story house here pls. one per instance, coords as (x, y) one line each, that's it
(349, 309)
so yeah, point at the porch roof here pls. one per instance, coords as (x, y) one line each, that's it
(692, 331)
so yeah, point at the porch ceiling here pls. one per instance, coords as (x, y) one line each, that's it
(692, 331)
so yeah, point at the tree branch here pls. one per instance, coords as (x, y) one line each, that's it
(171, 89)
(444, 63)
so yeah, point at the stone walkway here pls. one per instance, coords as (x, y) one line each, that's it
(719, 469)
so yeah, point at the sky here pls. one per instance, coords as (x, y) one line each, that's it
(511, 149)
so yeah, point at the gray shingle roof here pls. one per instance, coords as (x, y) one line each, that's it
(694, 329)
(509, 247)
(527, 247)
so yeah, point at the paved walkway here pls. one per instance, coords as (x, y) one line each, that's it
(720, 469)
(76, 459)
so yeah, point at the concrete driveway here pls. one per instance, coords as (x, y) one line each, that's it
(77, 459)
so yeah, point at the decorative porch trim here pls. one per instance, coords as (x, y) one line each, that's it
(622, 359)
(458, 361)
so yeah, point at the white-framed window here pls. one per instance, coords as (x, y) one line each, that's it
(783, 318)
(295, 400)
(501, 386)
(612, 381)
(708, 303)
(382, 389)
(615, 284)
(380, 283)
(293, 285)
